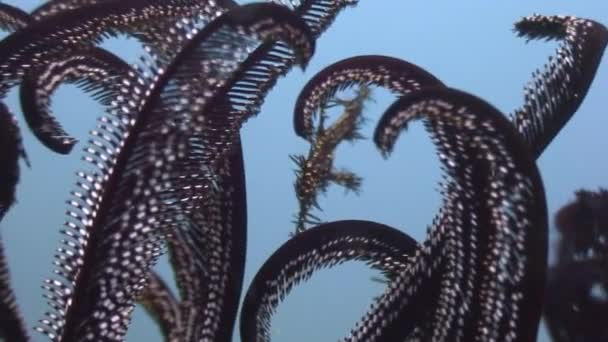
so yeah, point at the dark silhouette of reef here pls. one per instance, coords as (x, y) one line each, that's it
(577, 289)
(166, 175)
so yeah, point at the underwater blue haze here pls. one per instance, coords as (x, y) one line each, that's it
(469, 45)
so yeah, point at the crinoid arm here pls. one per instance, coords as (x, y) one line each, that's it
(96, 71)
(229, 107)
(13, 18)
(153, 177)
(261, 70)
(494, 205)
(556, 93)
(398, 76)
(208, 258)
(382, 247)
(573, 311)
(160, 303)
(12, 325)
(11, 149)
(162, 35)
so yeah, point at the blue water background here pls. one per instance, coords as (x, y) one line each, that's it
(467, 44)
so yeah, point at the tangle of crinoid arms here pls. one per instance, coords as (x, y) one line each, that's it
(396, 75)
(247, 89)
(212, 250)
(315, 172)
(489, 240)
(70, 54)
(154, 176)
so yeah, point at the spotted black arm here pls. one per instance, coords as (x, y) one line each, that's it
(133, 197)
(556, 93)
(209, 258)
(494, 242)
(396, 75)
(262, 68)
(97, 71)
(160, 303)
(12, 326)
(326, 245)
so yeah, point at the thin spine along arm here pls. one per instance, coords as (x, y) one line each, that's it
(160, 303)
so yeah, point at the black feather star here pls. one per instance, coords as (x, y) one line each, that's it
(167, 174)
